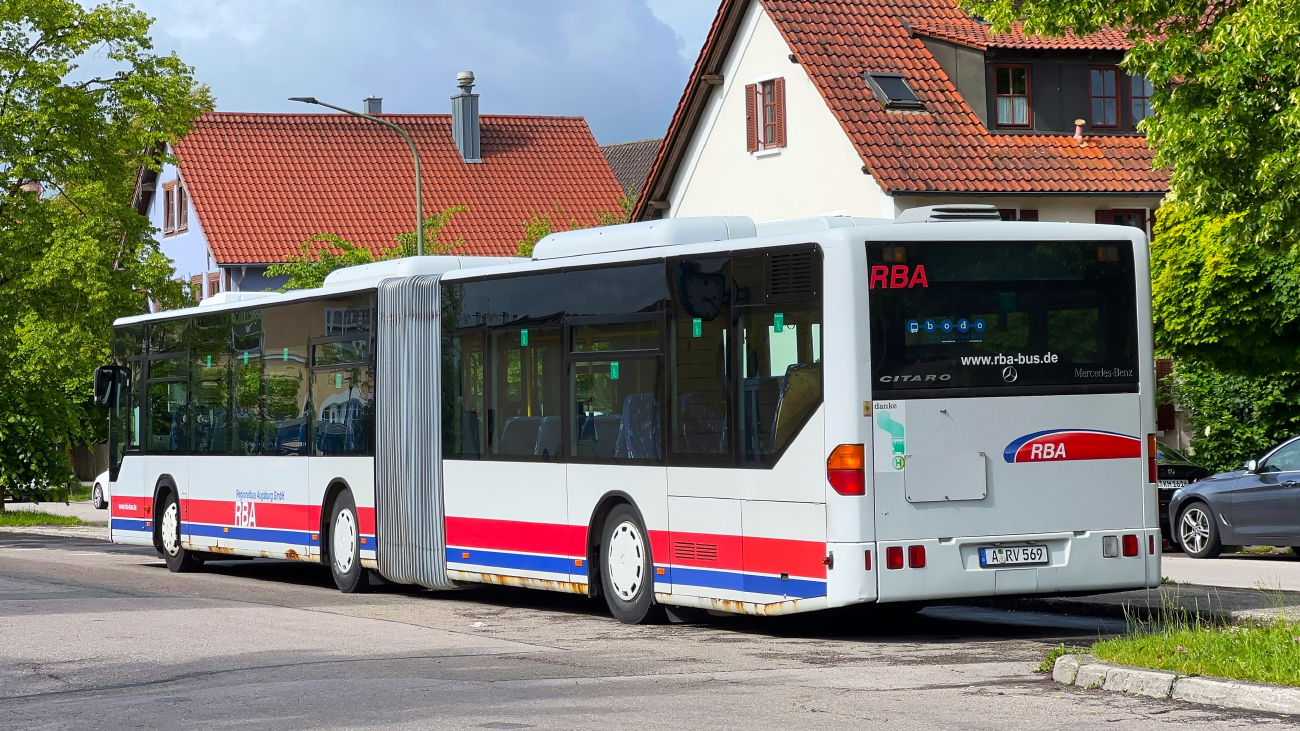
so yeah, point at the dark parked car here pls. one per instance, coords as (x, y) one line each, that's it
(1174, 471)
(1259, 505)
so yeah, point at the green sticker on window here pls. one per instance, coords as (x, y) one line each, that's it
(1007, 301)
(338, 380)
(209, 361)
(613, 371)
(286, 354)
(523, 337)
(245, 357)
(778, 322)
(697, 327)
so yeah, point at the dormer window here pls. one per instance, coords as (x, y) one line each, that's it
(892, 91)
(176, 208)
(1012, 91)
(1104, 92)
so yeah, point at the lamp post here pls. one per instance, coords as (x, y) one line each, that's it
(419, 197)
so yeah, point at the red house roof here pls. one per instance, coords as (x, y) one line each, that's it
(946, 149)
(262, 184)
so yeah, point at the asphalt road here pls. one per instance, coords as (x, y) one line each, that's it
(102, 636)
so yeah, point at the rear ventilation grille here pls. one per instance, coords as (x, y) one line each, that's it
(685, 551)
(792, 277)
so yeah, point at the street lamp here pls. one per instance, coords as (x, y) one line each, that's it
(419, 197)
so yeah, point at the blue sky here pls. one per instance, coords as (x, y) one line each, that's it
(622, 64)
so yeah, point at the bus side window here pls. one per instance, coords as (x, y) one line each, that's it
(284, 377)
(210, 374)
(701, 361)
(167, 389)
(250, 425)
(462, 396)
(779, 325)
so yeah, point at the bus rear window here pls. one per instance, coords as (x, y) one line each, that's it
(1002, 318)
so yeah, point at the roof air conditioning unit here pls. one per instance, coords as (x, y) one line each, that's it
(644, 235)
(950, 212)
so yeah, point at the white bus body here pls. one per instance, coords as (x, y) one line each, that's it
(987, 384)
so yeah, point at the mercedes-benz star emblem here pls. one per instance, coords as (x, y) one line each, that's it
(1009, 374)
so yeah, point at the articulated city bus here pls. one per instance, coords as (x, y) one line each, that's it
(705, 413)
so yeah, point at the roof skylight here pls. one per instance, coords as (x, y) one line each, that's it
(892, 91)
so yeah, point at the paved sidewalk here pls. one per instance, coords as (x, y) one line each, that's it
(82, 509)
(1212, 603)
(1242, 571)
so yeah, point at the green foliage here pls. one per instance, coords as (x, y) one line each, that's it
(1220, 299)
(1049, 663)
(74, 253)
(542, 224)
(325, 252)
(1263, 654)
(1227, 80)
(37, 517)
(1227, 126)
(1235, 418)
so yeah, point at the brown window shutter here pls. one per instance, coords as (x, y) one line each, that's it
(1028, 214)
(1007, 214)
(1105, 216)
(182, 209)
(779, 83)
(169, 210)
(751, 116)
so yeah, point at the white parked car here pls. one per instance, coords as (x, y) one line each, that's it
(99, 496)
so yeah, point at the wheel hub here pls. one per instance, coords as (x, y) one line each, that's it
(1194, 530)
(171, 530)
(626, 561)
(344, 538)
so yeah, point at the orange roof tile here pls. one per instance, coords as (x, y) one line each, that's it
(262, 184)
(945, 149)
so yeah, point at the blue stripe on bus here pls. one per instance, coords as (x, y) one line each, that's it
(265, 535)
(522, 561)
(736, 581)
(130, 524)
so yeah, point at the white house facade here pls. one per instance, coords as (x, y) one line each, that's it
(1043, 129)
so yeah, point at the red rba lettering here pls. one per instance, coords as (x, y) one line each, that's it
(899, 276)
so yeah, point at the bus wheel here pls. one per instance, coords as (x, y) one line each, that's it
(178, 559)
(626, 568)
(345, 545)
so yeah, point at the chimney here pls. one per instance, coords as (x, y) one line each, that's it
(464, 118)
(373, 105)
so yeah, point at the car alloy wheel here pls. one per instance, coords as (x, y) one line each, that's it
(1195, 530)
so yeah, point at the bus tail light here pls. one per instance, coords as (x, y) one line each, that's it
(845, 470)
(916, 557)
(894, 557)
(1151, 545)
(1130, 545)
(1153, 474)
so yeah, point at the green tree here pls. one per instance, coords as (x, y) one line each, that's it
(325, 252)
(1227, 126)
(74, 253)
(541, 224)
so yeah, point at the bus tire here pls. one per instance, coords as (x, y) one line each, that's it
(345, 545)
(1197, 532)
(627, 568)
(179, 560)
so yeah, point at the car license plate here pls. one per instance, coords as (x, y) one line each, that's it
(1171, 484)
(1013, 556)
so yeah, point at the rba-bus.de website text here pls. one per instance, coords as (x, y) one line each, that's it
(1017, 359)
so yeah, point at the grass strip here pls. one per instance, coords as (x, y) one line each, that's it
(11, 518)
(1264, 654)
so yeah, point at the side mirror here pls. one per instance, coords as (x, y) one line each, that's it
(1251, 465)
(110, 380)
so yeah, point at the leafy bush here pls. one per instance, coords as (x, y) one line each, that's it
(1234, 417)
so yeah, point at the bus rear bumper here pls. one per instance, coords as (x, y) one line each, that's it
(1076, 563)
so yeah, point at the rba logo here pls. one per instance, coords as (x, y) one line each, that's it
(245, 514)
(899, 276)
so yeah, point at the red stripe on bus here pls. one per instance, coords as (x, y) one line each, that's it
(284, 516)
(784, 556)
(131, 507)
(512, 535)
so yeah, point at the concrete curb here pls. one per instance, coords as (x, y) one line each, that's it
(1086, 671)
